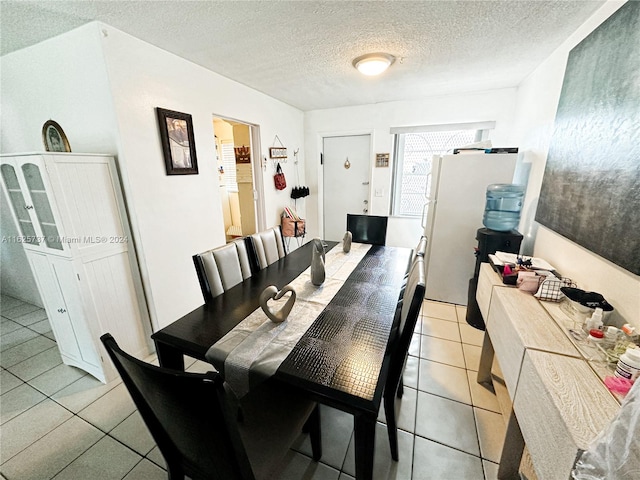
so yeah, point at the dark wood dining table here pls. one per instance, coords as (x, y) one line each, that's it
(341, 360)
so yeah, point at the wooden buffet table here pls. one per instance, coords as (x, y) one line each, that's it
(554, 401)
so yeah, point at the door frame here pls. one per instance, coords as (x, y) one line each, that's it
(320, 169)
(256, 166)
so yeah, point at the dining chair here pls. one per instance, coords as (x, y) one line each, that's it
(421, 248)
(409, 311)
(204, 432)
(268, 247)
(369, 229)
(222, 268)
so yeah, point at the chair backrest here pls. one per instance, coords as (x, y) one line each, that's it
(409, 306)
(268, 247)
(369, 229)
(187, 416)
(223, 267)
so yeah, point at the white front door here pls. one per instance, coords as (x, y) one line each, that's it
(346, 172)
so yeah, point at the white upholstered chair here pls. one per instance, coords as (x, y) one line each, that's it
(222, 268)
(268, 247)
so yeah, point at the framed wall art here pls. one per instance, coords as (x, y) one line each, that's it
(54, 138)
(178, 143)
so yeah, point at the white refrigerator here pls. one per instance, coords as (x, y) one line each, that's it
(453, 214)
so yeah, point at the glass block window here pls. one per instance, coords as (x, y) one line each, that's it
(412, 167)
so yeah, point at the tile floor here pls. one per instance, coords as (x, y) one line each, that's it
(59, 423)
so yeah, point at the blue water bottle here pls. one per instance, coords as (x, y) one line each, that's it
(503, 207)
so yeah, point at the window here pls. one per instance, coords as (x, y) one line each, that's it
(414, 151)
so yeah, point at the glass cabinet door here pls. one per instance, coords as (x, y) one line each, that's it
(41, 205)
(19, 204)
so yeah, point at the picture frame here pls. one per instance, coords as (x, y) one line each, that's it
(54, 138)
(277, 152)
(178, 142)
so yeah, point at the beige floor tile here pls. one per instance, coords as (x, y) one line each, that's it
(444, 380)
(23, 430)
(490, 470)
(296, 466)
(156, 457)
(26, 350)
(31, 317)
(36, 365)
(57, 378)
(481, 396)
(461, 313)
(446, 421)
(15, 338)
(414, 346)
(20, 310)
(110, 409)
(434, 327)
(83, 392)
(54, 451)
(433, 461)
(106, 460)
(8, 381)
(344, 476)
(471, 335)
(200, 367)
(384, 468)
(337, 428)
(7, 302)
(444, 311)
(8, 326)
(18, 400)
(443, 351)
(42, 327)
(146, 470)
(491, 432)
(410, 375)
(134, 434)
(405, 409)
(471, 356)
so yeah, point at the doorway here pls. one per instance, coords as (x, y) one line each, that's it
(238, 158)
(346, 173)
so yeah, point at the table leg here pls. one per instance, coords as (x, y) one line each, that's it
(169, 357)
(365, 441)
(511, 451)
(486, 360)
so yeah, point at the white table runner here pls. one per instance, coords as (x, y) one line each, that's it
(258, 345)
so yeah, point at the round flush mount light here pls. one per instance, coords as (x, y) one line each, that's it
(373, 63)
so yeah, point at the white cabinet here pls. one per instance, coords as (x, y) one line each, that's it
(72, 219)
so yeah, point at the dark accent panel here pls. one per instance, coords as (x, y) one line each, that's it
(591, 188)
(370, 229)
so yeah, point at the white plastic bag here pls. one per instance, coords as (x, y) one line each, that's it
(615, 453)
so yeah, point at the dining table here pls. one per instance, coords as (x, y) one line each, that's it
(340, 357)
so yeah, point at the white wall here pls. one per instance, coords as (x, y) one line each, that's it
(377, 119)
(63, 79)
(537, 101)
(102, 86)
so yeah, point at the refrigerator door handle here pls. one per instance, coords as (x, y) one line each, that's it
(424, 209)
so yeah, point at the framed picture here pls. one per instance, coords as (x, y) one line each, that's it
(178, 144)
(54, 138)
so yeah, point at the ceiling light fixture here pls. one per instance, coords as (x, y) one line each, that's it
(373, 63)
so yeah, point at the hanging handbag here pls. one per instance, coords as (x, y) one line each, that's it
(278, 179)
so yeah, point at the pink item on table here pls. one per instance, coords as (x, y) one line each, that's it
(618, 385)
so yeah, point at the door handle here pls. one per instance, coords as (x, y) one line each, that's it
(365, 183)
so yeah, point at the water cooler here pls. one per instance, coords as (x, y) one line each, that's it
(489, 241)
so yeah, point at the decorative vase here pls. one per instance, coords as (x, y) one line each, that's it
(272, 293)
(346, 242)
(317, 262)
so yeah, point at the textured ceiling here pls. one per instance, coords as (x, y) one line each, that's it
(301, 51)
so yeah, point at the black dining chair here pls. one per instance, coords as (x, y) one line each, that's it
(369, 229)
(409, 311)
(203, 432)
